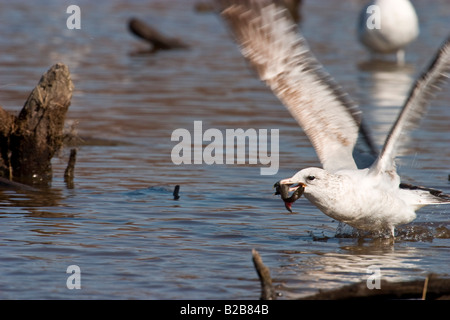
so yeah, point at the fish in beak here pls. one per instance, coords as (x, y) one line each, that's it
(283, 188)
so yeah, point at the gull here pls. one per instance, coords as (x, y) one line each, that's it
(388, 26)
(367, 198)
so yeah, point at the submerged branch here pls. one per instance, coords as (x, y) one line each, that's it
(267, 290)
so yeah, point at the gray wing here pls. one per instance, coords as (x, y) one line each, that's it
(270, 40)
(415, 106)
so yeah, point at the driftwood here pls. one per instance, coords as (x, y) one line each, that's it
(29, 141)
(430, 288)
(157, 40)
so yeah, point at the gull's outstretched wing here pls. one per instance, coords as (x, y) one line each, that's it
(270, 40)
(415, 106)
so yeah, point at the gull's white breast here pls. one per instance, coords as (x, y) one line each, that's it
(362, 200)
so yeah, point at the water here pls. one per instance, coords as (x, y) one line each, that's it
(120, 223)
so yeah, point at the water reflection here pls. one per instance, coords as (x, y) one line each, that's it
(31, 201)
(333, 269)
(387, 85)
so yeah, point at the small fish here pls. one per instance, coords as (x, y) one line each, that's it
(283, 190)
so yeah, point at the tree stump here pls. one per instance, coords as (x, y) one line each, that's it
(29, 141)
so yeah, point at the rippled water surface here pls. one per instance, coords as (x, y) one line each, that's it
(120, 223)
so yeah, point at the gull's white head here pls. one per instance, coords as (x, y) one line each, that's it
(308, 176)
(309, 181)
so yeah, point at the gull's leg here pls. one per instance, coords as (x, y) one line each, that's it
(401, 57)
(392, 238)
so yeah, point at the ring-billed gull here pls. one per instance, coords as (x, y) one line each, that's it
(370, 198)
(388, 26)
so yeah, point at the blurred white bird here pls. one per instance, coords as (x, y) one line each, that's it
(371, 198)
(388, 26)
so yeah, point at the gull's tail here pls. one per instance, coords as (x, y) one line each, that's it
(427, 195)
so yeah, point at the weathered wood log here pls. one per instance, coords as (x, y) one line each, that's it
(430, 288)
(29, 141)
(157, 40)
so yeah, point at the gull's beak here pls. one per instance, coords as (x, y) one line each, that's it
(283, 187)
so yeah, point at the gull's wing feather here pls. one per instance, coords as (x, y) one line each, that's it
(270, 40)
(415, 107)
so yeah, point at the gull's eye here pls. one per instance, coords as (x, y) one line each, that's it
(310, 178)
